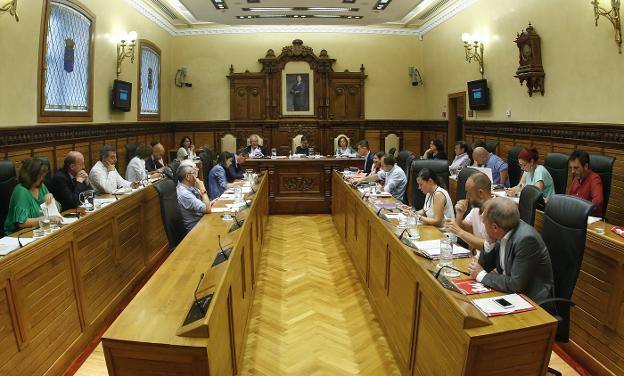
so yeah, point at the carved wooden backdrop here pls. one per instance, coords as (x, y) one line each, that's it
(258, 95)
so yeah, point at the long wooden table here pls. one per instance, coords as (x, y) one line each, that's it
(301, 185)
(57, 293)
(431, 330)
(143, 339)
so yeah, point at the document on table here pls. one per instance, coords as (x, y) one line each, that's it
(504, 194)
(52, 209)
(103, 201)
(592, 219)
(9, 244)
(432, 249)
(68, 220)
(503, 305)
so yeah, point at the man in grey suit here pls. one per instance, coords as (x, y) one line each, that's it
(515, 258)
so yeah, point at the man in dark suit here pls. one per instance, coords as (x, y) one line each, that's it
(70, 181)
(299, 95)
(236, 170)
(515, 258)
(254, 150)
(155, 161)
(364, 151)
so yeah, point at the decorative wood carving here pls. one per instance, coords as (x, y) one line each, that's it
(530, 67)
(299, 183)
(267, 103)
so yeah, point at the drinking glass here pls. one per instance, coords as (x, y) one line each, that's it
(273, 153)
(44, 223)
(413, 231)
(86, 199)
(446, 258)
(311, 151)
(403, 221)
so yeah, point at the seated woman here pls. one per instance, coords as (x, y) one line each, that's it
(376, 167)
(186, 150)
(137, 169)
(435, 151)
(24, 206)
(343, 148)
(304, 148)
(534, 174)
(438, 205)
(217, 178)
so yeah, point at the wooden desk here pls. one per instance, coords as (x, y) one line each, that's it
(431, 330)
(301, 186)
(56, 293)
(143, 340)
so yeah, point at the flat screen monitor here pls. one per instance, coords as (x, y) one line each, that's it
(122, 95)
(478, 95)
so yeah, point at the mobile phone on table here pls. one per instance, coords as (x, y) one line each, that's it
(503, 302)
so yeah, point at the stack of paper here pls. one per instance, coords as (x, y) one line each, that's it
(470, 286)
(503, 194)
(592, 219)
(431, 248)
(9, 244)
(503, 305)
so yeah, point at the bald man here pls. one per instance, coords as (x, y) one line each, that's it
(69, 181)
(499, 168)
(155, 161)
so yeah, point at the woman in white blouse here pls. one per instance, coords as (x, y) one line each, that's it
(186, 150)
(438, 205)
(136, 171)
(343, 148)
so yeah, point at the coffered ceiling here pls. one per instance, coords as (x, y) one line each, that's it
(179, 16)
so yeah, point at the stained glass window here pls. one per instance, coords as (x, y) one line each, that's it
(150, 81)
(66, 75)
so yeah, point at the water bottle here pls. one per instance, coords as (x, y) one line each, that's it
(289, 154)
(446, 253)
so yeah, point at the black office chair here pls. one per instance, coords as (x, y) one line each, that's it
(402, 159)
(531, 199)
(130, 151)
(407, 198)
(603, 166)
(462, 177)
(514, 170)
(47, 179)
(441, 169)
(491, 146)
(8, 181)
(207, 162)
(170, 212)
(557, 166)
(564, 232)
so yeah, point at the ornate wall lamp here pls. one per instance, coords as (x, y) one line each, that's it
(612, 15)
(10, 7)
(125, 48)
(473, 42)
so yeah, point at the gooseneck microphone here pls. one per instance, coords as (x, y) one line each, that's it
(403, 233)
(223, 253)
(19, 241)
(201, 278)
(450, 267)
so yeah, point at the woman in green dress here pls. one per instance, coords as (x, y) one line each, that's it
(27, 196)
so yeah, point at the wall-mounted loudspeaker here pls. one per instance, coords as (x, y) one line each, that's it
(415, 77)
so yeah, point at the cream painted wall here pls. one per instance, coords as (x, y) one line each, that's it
(389, 94)
(584, 72)
(19, 43)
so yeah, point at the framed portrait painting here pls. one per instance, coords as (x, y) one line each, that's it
(297, 90)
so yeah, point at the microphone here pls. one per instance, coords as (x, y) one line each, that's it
(450, 267)
(403, 233)
(379, 211)
(201, 278)
(248, 204)
(19, 241)
(252, 189)
(223, 253)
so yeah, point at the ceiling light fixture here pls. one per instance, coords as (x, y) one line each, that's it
(219, 4)
(381, 4)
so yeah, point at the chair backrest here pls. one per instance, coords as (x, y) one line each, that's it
(557, 166)
(603, 166)
(170, 212)
(338, 138)
(228, 143)
(514, 170)
(441, 169)
(207, 162)
(391, 140)
(531, 198)
(491, 146)
(392, 151)
(130, 151)
(8, 181)
(408, 196)
(402, 159)
(462, 177)
(564, 232)
(296, 141)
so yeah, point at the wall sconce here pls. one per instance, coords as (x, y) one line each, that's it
(125, 41)
(478, 49)
(613, 15)
(10, 7)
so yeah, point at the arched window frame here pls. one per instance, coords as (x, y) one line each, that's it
(154, 47)
(44, 116)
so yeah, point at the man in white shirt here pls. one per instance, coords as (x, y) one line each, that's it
(461, 160)
(255, 150)
(471, 228)
(104, 176)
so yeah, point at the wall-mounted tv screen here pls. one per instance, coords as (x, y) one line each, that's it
(122, 95)
(478, 95)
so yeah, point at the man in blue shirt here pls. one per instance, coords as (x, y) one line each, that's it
(192, 196)
(495, 163)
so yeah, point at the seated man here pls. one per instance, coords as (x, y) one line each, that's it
(236, 170)
(304, 148)
(104, 176)
(217, 180)
(254, 150)
(155, 161)
(192, 196)
(393, 176)
(495, 163)
(515, 258)
(364, 151)
(462, 159)
(471, 228)
(586, 184)
(69, 181)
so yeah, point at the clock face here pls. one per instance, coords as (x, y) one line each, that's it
(526, 53)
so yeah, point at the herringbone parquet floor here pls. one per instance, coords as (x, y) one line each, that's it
(310, 315)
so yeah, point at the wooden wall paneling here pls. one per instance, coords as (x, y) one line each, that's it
(543, 148)
(95, 147)
(60, 153)
(247, 96)
(130, 258)
(82, 147)
(374, 140)
(505, 144)
(18, 157)
(412, 140)
(205, 138)
(615, 210)
(121, 154)
(47, 152)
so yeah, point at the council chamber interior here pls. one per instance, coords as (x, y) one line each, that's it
(316, 201)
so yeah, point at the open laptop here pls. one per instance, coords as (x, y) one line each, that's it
(485, 170)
